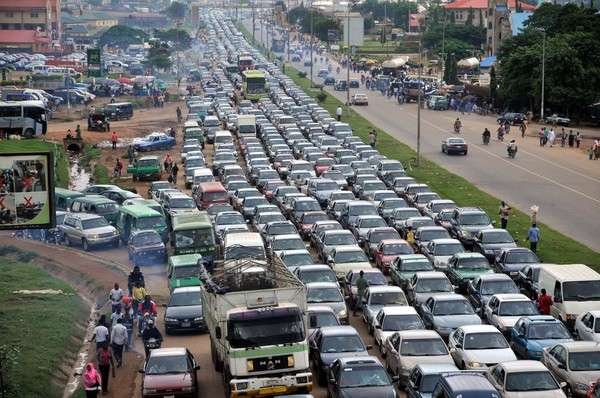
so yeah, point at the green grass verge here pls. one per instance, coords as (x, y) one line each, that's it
(61, 169)
(100, 172)
(554, 246)
(37, 327)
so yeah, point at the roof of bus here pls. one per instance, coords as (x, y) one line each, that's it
(184, 259)
(191, 221)
(253, 73)
(23, 103)
(66, 192)
(139, 211)
(94, 199)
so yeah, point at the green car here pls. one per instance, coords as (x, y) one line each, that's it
(406, 266)
(183, 271)
(464, 267)
(146, 167)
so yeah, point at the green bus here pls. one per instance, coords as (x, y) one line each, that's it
(254, 85)
(193, 233)
(96, 204)
(64, 197)
(139, 217)
(183, 271)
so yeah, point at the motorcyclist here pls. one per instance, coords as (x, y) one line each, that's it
(133, 277)
(151, 332)
(146, 307)
(486, 136)
(501, 133)
(512, 149)
(457, 126)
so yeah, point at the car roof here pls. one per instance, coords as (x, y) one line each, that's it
(430, 275)
(163, 352)
(384, 288)
(399, 310)
(187, 289)
(479, 329)
(337, 330)
(444, 241)
(579, 346)
(448, 297)
(418, 334)
(494, 277)
(318, 285)
(470, 382)
(469, 255)
(357, 361)
(84, 216)
(314, 267)
(435, 368)
(523, 365)
(320, 308)
(512, 297)
(540, 319)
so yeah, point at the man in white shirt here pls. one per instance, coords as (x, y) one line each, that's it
(338, 113)
(100, 335)
(119, 338)
(115, 296)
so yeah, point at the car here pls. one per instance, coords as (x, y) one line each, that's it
(146, 167)
(171, 369)
(464, 267)
(575, 363)
(512, 118)
(557, 120)
(491, 241)
(332, 342)
(456, 145)
(466, 222)
(315, 273)
(320, 316)
(483, 287)
(329, 81)
(120, 195)
(425, 284)
(528, 280)
(88, 230)
(184, 311)
(359, 377)
(340, 85)
(359, 99)
(354, 83)
(464, 385)
(347, 258)
(511, 260)
(409, 348)
(476, 347)
(373, 276)
(226, 219)
(445, 312)
(154, 142)
(293, 259)
(423, 379)
(532, 334)
(440, 251)
(504, 310)
(146, 247)
(523, 379)
(388, 251)
(406, 266)
(587, 326)
(394, 319)
(329, 294)
(332, 239)
(438, 102)
(377, 297)
(280, 243)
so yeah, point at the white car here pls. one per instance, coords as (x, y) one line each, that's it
(525, 379)
(394, 319)
(587, 326)
(479, 346)
(439, 251)
(504, 310)
(359, 99)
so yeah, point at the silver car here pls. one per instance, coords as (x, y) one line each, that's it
(576, 363)
(88, 230)
(479, 346)
(427, 284)
(328, 294)
(377, 297)
(525, 379)
(444, 313)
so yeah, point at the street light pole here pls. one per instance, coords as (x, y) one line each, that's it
(444, 46)
(543, 73)
(419, 105)
(348, 57)
(253, 24)
(311, 42)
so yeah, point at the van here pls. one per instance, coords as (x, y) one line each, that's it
(243, 245)
(464, 385)
(139, 217)
(209, 193)
(575, 289)
(64, 197)
(223, 137)
(96, 204)
(183, 271)
(201, 175)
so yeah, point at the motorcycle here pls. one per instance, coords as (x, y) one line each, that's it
(151, 344)
(144, 320)
(486, 139)
(512, 151)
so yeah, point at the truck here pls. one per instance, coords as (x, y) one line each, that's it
(246, 126)
(254, 311)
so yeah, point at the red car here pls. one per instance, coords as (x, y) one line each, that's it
(170, 372)
(388, 250)
(323, 164)
(308, 219)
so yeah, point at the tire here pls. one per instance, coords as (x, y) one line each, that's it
(85, 245)
(117, 243)
(465, 153)
(226, 385)
(218, 365)
(66, 240)
(28, 133)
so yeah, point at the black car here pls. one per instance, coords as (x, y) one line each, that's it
(483, 287)
(146, 247)
(359, 377)
(329, 81)
(511, 260)
(354, 83)
(512, 118)
(184, 311)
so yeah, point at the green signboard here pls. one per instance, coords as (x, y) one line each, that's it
(94, 62)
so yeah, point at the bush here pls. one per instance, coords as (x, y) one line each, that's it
(321, 96)
(302, 75)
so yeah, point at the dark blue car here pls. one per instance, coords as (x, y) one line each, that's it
(532, 334)
(146, 248)
(154, 142)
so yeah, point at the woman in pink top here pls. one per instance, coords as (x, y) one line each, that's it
(91, 381)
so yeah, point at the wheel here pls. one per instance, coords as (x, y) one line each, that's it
(117, 243)
(226, 385)
(443, 150)
(465, 153)
(134, 177)
(28, 133)
(85, 245)
(218, 365)
(66, 241)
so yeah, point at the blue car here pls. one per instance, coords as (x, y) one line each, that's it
(531, 334)
(154, 142)
(146, 247)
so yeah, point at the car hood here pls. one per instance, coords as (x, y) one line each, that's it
(586, 377)
(328, 358)
(100, 230)
(473, 229)
(337, 307)
(371, 392)
(535, 394)
(167, 382)
(496, 247)
(441, 261)
(420, 298)
(411, 362)
(543, 343)
(191, 311)
(454, 321)
(158, 246)
(490, 356)
(473, 273)
(508, 321)
(514, 267)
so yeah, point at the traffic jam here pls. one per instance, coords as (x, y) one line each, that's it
(295, 243)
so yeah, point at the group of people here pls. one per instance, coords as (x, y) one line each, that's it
(548, 136)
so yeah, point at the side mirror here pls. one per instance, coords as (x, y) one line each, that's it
(218, 334)
(562, 384)
(197, 367)
(329, 259)
(378, 326)
(332, 381)
(562, 366)
(495, 312)
(142, 371)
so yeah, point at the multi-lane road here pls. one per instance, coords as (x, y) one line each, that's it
(561, 181)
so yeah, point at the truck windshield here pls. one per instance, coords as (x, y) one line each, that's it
(194, 238)
(265, 328)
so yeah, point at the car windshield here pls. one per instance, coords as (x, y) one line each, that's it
(517, 308)
(423, 347)
(402, 322)
(428, 235)
(387, 298)
(448, 249)
(371, 376)
(189, 271)
(396, 249)
(484, 341)
(318, 276)
(363, 210)
(521, 256)
(439, 206)
(339, 239)
(295, 260)
(314, 217)
(372, 223)
(182, 203)
(106, 208)
(150, 222)
(403, 214)
(496, 237)
(307, 205)
(324, 295)
(553, 330)
(497, 287)
(343, 343)
(172, 364)
(327, 186)
(475, 219)
(96, 222)
(581, 290)
(230, 219)
(321, 319)
(265, 218)
(452, 307)
(530, 381)
(185, 299)
(146, 239)
(255, 201)
(356, 256)
(147, 163)
(426, 198)
(428, 383)
(433, 285)
(373, 186)
(194, 238)
(584, 361)
(472, 263)
(393, 203)
(416, 266)
(288, 244)
(282, 229)
(256, 328)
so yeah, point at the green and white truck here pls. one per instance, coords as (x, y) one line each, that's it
(255, 312)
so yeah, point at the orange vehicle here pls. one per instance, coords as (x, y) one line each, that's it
(209, 193)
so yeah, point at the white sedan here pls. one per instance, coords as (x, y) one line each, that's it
(359, 99)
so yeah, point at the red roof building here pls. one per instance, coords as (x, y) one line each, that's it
(478, 10)
(30, 25)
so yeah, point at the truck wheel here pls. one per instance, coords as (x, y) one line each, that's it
(218, 365)
(226, 385)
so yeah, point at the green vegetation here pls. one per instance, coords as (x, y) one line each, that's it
(100, 173)
(180, 37)
(321, 24)
(122, 36)
(554, 246)
(177, 10)
(61, 169)
(37, 329)
(396, 12)
(159, 55)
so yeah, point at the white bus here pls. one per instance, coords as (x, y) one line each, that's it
(25, 118)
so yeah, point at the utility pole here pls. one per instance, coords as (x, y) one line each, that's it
(543, 73)
(311, 42)
(444, 46)
(348, 57)
(383, 35)
(419, 104)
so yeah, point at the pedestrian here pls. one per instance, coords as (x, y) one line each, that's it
(134, 277)
(542, 136)
(174, 171)
(119, 339)
(571, 139)
(544, 302)
(578, 139)
(523, 128)
(118, 168)
(168, 163)
(101, 334)
(338, 113)
(596, 149)
(504, 213)
(105, 363)
(372, 138)
(410, 236)
(533, 236)
(138, 294)
(69, 134)
(130, 154)
(551, 137)
(92, 381)
(114, 139)
(115, 296)
(127, 321)
(78, 132)
(361, 286)
(563, 138)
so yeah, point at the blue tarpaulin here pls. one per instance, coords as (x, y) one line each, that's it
(487, 62)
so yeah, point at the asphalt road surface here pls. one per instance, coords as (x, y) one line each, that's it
(561, 181)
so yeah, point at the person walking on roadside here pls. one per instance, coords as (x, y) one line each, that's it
(372, 138)
(533, 236)
(174, 171)
(134, 277)
(551, 137)
(130, 154)
(115, 296)
(118, 168)
(178, 111)
(92, 381)
(338, 113)
(105, 364)
(542, 136)
(101, 334)
(544, 302)
(361, 286)
(523, 128)
(119, 338)
(168, 163)
(504, 214)
(578, 139)
(114, 138)
(563, 138)
(571, 139)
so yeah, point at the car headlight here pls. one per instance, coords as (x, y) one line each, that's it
(171, 319)
(150, 391)
(115, 232)
(198, 319)
(474, 364)
(342, 314)
(581, 387)
(241, 386)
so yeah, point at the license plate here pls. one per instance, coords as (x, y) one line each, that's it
(272, 390)
(185, 324)
(169, 396)
(272, 382)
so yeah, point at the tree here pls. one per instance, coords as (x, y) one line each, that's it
(470, 16)
(450, 70)
(122, 36)
(493, 85)
(179, 37)
(159, 55)
(177, 10)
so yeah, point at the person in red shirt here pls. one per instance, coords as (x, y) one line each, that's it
(544, 303)
(114, 139)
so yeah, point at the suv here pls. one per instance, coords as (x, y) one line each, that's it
(466, 222)
(88, 230)
(512, 118)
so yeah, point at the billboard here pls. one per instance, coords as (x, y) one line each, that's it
(94, 62)
(357, 29)
(27, 190)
